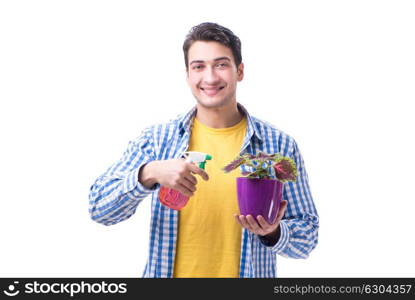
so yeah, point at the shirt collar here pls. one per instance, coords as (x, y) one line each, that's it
(186, 121)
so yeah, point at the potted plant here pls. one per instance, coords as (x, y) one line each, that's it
(260, 191)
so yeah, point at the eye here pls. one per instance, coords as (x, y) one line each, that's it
(222, 65)
(197, 67)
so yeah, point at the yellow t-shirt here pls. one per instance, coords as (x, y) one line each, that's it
(209, 238)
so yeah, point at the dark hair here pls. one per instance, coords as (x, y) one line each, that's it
(213, 32)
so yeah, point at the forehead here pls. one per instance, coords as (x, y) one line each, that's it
(208, 51)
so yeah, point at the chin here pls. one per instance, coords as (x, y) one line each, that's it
(212, 102)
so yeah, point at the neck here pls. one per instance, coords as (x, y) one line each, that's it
(219, 117)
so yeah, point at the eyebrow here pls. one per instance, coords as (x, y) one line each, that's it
(216, 59)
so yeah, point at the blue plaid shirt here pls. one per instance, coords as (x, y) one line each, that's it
(115, 195)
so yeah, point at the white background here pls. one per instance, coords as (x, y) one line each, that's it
(79, 79)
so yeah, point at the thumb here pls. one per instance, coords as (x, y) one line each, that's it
(281, 211)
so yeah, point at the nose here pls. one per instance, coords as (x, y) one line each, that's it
(210, 77)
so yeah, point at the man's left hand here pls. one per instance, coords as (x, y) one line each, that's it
(261, 226)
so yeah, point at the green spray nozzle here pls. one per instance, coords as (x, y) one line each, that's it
(197, 157)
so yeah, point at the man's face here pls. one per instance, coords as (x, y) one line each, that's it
(212, 74)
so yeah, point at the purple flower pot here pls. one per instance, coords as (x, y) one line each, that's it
(259, 197)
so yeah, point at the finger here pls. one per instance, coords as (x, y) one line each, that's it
(264, 224)
(254, 225)
(281, 211)
(244, 222)
(191, 178)
(188, 184)
(184, 190)
(237, 219)
(197, 170)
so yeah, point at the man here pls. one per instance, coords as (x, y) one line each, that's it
(207, 238)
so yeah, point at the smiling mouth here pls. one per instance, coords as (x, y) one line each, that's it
(212, 91)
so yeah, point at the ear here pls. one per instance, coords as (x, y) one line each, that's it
(240, 71)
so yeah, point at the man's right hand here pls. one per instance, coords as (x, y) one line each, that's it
(173, 173)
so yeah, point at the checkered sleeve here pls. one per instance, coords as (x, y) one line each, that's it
(114, 196)
(299, 227)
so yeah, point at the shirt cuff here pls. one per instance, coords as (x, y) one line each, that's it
(282, 241)
(284, 238)
(131, 183)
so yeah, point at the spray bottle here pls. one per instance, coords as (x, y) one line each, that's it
(173, 198)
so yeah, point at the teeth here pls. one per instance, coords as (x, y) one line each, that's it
(219, 88)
